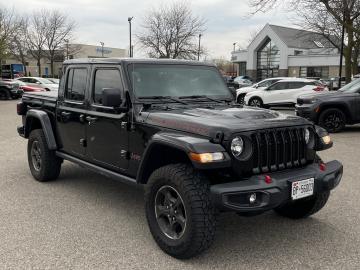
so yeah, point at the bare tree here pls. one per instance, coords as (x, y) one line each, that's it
(58, 29)
(36, 37)
(8, 26)
(172, 32)
(345, 13)
(18, 44)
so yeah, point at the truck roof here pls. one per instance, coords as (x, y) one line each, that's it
(114, 60)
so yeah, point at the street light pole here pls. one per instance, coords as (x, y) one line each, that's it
(130, 46)
(199, 47)
(341, 51)
(233, 62)
(102, 49)
(67, 48)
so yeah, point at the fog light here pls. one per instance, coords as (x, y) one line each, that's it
(252, 198)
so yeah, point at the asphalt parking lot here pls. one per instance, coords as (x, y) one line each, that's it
(86, 221)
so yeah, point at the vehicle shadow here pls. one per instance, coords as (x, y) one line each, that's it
(265, 241)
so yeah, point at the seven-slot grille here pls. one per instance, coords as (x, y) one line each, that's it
(275, 150)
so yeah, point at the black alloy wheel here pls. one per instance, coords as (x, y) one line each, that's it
(333, 120)
(170, 212)
(36, 155)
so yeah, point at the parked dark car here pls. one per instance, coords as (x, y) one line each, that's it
(332, 110)
(174, 127)
(9, 90)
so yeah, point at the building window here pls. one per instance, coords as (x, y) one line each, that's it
(242, 68)
(268, 61)
(314, 72)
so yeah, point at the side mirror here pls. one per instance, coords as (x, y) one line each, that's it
(38, 83)
(256, 86)
(111, 97)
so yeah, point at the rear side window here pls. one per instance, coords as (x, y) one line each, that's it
(76, 84)
(296, 85)
(106, 78)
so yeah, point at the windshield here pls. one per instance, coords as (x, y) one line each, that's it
(352, 87)
(44, 81)
(177, 81)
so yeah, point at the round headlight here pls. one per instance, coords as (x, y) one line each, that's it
(237, 146)
(307, 136)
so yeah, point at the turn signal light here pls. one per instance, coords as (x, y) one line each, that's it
(206, 157)
(326, 139)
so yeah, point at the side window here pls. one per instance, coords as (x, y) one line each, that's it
(106, 78)
(279, 86)
(296, 85)
(76, 84)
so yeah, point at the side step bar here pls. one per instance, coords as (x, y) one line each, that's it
(105, 172)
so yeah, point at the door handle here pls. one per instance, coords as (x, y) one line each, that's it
(91, 119)
(65, 116)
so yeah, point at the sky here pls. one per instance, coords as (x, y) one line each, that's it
(227, 21)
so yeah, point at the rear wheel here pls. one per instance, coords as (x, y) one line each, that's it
(44, 164)
(333, 120)
(179, 211)
(256, 102)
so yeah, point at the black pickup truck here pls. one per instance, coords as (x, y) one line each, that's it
(332, 110)
(173, 127)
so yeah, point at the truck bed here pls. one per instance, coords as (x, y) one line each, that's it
(42, 99)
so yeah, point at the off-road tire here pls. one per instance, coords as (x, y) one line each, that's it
(50, 163)
(304, 208)
(5, 95)
(258, 100)
(194, 189)
(336, 114)
(241, 99)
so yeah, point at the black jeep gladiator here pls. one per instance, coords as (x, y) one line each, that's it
(332, 110)
(173, 127)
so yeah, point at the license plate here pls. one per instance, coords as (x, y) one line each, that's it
(302, 189)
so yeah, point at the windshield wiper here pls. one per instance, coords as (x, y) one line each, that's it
(161, 98)
(201, 96)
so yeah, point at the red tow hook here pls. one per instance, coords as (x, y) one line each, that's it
(322, 167)
(268, 179)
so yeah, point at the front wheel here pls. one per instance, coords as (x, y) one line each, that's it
(179, 211)
(304, 207)
(333, 120)
(256, 102)
(241, 99)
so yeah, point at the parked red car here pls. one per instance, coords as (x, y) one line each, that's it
(29, 88)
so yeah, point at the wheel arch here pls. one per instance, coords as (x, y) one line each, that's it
(37, 119)
(340, 106)
(165, 148)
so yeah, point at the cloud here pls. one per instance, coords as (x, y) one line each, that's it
(106, 20)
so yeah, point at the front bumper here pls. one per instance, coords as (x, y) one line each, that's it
(307, 111)
(234, 196)
(16, 93)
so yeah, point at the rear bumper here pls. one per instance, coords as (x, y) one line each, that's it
(234, 196)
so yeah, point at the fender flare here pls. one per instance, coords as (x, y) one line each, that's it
(185, 144)
(45, 124)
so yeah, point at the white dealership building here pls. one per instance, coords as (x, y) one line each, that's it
(283, 51)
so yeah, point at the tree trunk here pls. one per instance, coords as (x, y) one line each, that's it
(39, 67)
(348, 55)
(52, 67)
(355, 62)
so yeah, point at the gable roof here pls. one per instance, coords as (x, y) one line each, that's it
(297, 38)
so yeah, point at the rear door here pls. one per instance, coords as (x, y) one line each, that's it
(107, 129)
(71, 111)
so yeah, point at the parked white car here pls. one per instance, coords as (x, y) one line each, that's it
(240, 93)
(39, 82)
(283, 93)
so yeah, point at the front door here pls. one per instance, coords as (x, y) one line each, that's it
(276, 94)
(71, 111)
(107, 129)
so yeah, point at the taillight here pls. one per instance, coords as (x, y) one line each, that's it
(319, 88)
(21, 108)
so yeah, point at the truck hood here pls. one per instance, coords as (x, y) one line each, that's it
(228, 120)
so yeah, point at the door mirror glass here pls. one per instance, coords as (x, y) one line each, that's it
(111, 97)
